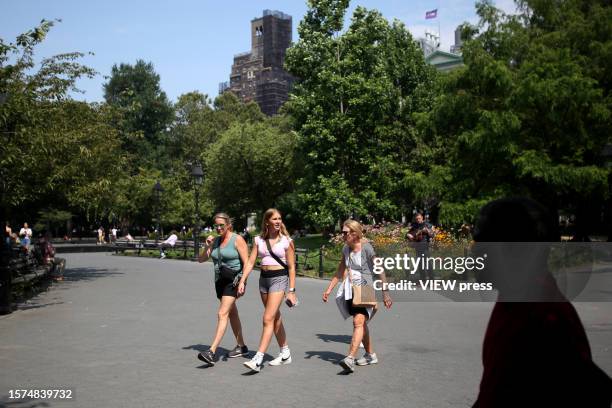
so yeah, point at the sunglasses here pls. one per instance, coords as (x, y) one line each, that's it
(219, 225)
(345, 233)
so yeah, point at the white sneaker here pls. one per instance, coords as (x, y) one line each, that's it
(162, 256)
(367, 359)
(280, 360)
(348, 363)
(253, 365)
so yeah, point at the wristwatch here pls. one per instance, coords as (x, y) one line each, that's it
(292, 290)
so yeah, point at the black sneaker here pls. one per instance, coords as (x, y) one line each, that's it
(207, 356)
(238, 351)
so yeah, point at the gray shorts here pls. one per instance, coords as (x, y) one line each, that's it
(275, 284)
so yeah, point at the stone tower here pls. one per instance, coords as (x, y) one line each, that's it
(258, 75)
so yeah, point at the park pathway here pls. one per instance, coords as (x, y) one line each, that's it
(125, 331)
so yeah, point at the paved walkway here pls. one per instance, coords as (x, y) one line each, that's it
(124, 332)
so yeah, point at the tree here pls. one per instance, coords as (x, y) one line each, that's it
(353, 108)
(135, 91)
(193, 130)
(249, 168)
(54, 152)
(530, 112)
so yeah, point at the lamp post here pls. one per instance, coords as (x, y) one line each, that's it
(158, 190)
(197, 174)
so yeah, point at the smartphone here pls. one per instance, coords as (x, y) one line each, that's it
(288, 303)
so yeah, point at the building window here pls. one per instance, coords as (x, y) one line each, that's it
(250, 75)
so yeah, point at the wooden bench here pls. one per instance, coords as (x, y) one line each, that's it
(20, 271)
(122, 245)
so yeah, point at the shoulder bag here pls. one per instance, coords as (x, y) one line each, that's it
(363, 295)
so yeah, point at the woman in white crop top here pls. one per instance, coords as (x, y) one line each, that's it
(357, 261)
(277, 275)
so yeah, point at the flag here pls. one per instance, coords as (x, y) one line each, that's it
(431, 14)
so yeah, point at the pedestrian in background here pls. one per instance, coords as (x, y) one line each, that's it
(25, 235)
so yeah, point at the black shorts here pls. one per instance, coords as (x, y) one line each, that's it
(356, 310)
(225, 287)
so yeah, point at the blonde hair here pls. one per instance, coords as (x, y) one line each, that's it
(354, 226)
(226, 218)
(264, 224)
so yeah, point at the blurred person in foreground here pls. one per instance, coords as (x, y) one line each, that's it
(535, 350)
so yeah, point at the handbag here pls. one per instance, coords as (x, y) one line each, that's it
(363, 295)
(225, 272)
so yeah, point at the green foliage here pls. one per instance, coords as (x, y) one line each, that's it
(529, 114)
(249, 167)
(53, 149)
(455, 214)
(145, 112)
(370, 128)
(51, 218)
(192, 132)
(353, 110)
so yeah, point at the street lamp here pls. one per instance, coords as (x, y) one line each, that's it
(197, 174)
(158, 190)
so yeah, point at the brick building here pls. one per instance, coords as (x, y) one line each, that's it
(258, 75)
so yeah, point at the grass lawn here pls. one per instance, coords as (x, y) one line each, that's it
(311, 241)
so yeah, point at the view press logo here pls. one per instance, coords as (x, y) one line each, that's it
(432, 284)
(412, 264)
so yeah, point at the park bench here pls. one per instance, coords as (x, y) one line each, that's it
(25, 268)
(20, 271)
(301, 259)
(122, 245)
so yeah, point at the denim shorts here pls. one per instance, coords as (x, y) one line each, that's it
(273, 284)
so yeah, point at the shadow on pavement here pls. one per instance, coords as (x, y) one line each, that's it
(335, 338)
(5, 402)
(328, 356)
(417, 349)
(197, 347)
(87, 274)
(28, 306)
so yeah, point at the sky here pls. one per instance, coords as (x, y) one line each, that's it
(191, 43)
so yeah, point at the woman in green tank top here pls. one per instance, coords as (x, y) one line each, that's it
(229, 253)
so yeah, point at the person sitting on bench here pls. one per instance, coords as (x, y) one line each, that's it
(168, 243)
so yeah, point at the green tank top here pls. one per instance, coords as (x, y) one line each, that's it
(227, 256)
